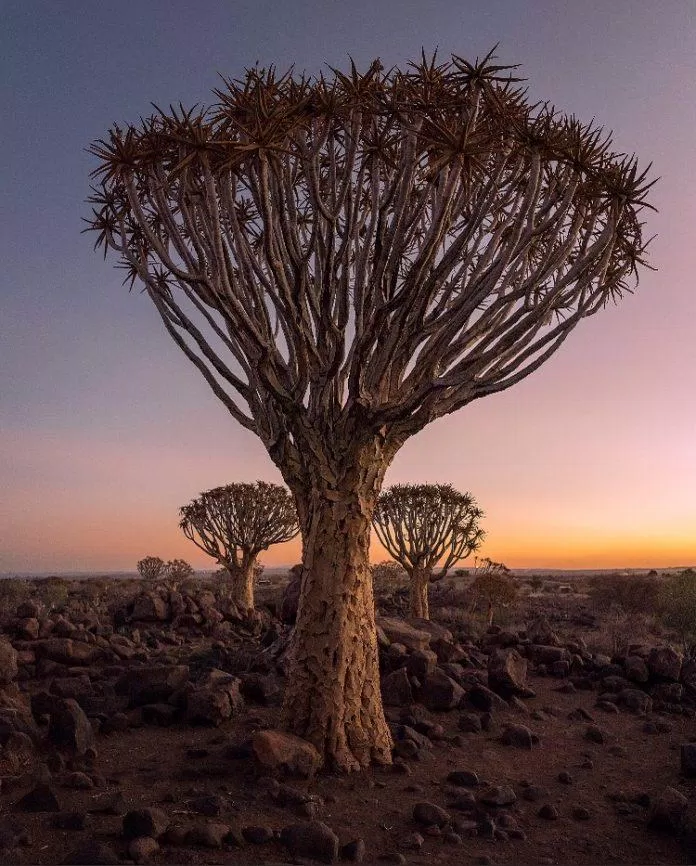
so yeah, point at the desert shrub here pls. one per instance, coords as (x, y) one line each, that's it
(677, 605)
(13, 590)
(632, 594)
(536, 582)
(152, 567)
(178, 569)
(53, 592)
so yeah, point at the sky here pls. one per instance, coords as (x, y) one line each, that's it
(106, 429)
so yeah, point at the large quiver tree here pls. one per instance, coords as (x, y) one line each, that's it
(423, 525)
(345, 259)
(234, 523)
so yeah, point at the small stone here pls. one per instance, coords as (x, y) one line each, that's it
(143, 849)
(668, 811)
(518, 736)
(286, 753)
(412, 842)
(210, 805)
(565, 778)
(78, 781)
(353, 852)
(207, 835)
(145, 822)
(42, 798)
(312, 839)
(534, 793)
(463, 778)
(452, 838)
(428, 813)
(498, 795)
(257, 835)
(580, 813)
(594, 734)
(470, 723)
(548, 812)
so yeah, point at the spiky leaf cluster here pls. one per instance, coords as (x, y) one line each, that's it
(386, 245)
(239, 517)
(421, 525)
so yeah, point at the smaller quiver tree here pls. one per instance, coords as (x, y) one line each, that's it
(234, 523)
(421, 525)
(493, 587)
(151, 567)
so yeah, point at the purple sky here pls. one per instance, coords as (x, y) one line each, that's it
(106, 429)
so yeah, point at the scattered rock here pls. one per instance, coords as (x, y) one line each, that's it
(69, 821)
(145, 822)
(438, 692)
(429, 814)
(396, 689)
(280, 752)
(665, 663)
(498, 795)
(463, 778)
(8, 662)
(594, 734)
(70, 728)
(353, 852)
(519, 736)
(312, 839)
(548, 812)
(668, 811)
(507, 673)
(143, 849)
(470, 723)
(398, 631)
(42, 798)
(211, 835)
(580, 813)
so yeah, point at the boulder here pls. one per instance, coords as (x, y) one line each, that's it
(311, 839)
(70, 728)
(421, 663)
(481, 698)
(498, 795)
(151, 684)
(8, 662)
(27, 628)
(635, 700)
(215, 699)
(396, 689)
(439, 692)
(636, 669)
(67, 651)
(507, 672)
(664, 663)
(668, 811)
(430, 815)
(150, 607)
(41, 798)
(540, 632)
(398, 631)
(277, 751)
(518, 736)
(145, 822)
(548, 654)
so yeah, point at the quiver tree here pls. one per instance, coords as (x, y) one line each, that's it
(345, 259)
(233, 524)
(151, 567)
(421, 525)
(493, 586)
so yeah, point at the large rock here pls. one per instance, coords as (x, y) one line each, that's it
(430, 815)
(70, 728)
(215, 699)
(434, 629)
(540, 632)
(285, 753)
(311, 839)
(396, 689)
(547, 654)
(67, 651)
(145, 822)
(665, 663)
(635, 700)
(668, 811)
(401, 632)
(507, 673)
(440, 692)
(150, 607)
(151, 684)
(8, 662)
(636, 669)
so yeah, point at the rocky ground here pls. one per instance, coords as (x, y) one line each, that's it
(143, 728)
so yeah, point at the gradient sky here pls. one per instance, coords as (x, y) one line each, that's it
(106, 429)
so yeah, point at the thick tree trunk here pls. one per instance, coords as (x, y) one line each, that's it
(418, 597)
(242, 582)
(332, 697)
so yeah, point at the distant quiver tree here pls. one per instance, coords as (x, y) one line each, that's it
(151, 567)
(421, 525)
(345, 259)
(234, 523)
